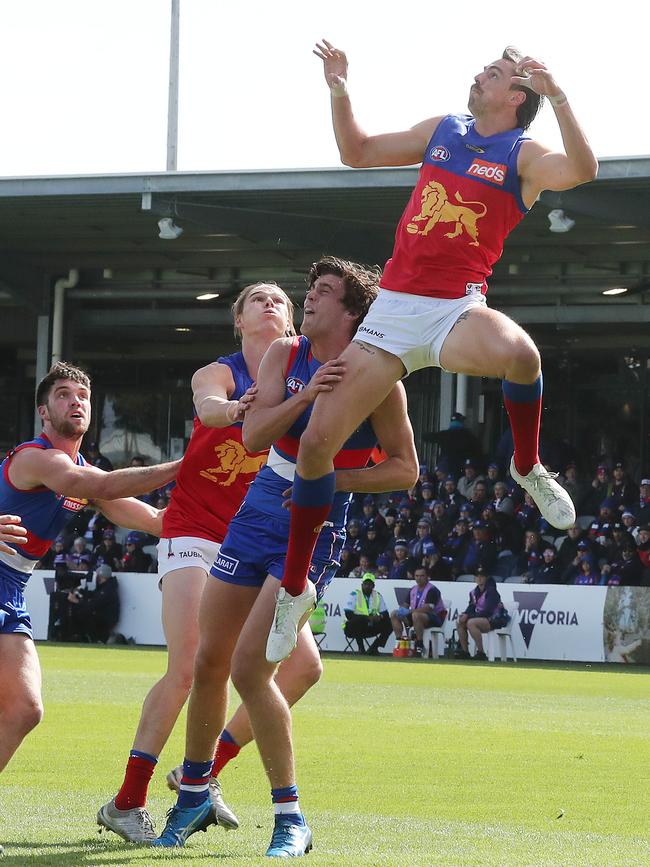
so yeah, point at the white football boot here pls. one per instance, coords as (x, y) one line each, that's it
(551, 499)
(291, 613)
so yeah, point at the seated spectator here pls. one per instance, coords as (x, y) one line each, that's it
(440, 473)
(354, 537)
(367, 616)
(135, 559)
(479, 497)
(423, 544)
(373, 545)
(347, 562)
(108, 551)
(384, 562)
(618, 539)
(481, 551)
(365, 565)
(399, 567)
(586, 572)
(502, 502)
(643, 546)
(406, 517)
(371, 515)
(440, 523)
(96, 612)
(547, 571)
(455, 548)
(96, 458)
(641, 509)
(630, 523)
(57, 550)
(584, 551)
(427, 498)
(527, 513)
(78, 559)
(469, 478)
(425, 609)
(493, 476)
(622, 490)
(390, 517)
(569, 547)
(531, 557)
(484, 613)
(437, 566)
(573, 486)
(597, 492)
(452, 499)
(626, 570)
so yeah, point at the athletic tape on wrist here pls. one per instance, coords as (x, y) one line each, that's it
(339, 89)
(558, 99)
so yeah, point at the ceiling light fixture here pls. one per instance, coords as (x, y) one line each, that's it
(559, 222)
(169, 231)
(207, 296)
(182, 329)
(615, 290)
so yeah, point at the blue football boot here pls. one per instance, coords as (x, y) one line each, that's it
(289, 840)
(182, 822)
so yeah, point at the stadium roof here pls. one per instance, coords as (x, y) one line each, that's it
(243, 226)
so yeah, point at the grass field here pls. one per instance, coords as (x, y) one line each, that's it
(399, 762)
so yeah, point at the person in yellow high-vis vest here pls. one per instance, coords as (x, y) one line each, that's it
(367, 616)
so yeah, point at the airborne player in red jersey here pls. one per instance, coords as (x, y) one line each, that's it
(480, 174)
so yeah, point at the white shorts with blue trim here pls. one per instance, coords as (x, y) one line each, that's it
(413, 327)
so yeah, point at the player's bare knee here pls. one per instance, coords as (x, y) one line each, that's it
(311, 672)
(210, 668)
(246, 676)
(318, 440)
(523, 362)
(180, 679)
(26, 715)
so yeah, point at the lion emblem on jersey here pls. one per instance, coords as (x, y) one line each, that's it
(234, 460)
(436, 208)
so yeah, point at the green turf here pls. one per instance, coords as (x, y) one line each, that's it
(399, 762)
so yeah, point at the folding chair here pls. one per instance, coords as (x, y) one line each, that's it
(437, 634)
(351, 643)
(502, 635)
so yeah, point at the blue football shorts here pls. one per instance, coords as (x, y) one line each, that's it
(13, 613)
(256, 546)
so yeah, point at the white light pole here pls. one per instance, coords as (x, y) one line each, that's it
(172, 105)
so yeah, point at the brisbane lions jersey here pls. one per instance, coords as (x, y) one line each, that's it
(466, 201)
(215, 472)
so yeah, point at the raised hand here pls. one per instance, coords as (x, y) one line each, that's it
(325, 378)
(237, 410)
(533, 74)
(335, 64)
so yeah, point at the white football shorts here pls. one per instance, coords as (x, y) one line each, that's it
(413, 327)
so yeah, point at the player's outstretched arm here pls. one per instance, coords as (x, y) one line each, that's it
(399, 471)
(134, 514)
(357, 148)
(55, 470)
(540, 168)
(11, 532)
(212, 386)
(271, 415)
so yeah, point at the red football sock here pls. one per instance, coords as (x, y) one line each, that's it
(524, 407)
(311, 503)
(139, 771)
(226, 750)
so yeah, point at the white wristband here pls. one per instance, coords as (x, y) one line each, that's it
(558, 99)
(339, 89)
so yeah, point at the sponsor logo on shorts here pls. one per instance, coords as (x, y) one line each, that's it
(371, 332)
(226, 564)
(495, 172)
(189, 554)
(473, 288)
(294, 385)
(439, 154)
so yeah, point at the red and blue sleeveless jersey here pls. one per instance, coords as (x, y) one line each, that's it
(44, 514)
(215, 472)
(265, 493)
(466, 201)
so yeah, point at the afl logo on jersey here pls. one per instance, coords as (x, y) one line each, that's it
(439, 154)
(294, 385)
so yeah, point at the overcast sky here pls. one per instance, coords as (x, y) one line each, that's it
(85, 81)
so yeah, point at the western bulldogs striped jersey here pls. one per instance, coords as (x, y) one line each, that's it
(215, 472)
(265, 491)
(466, 201)
(44, 514)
